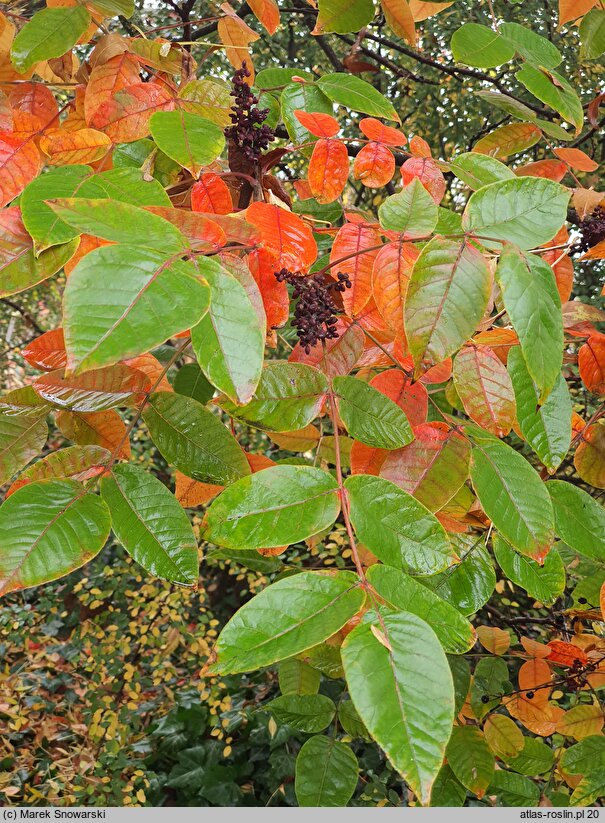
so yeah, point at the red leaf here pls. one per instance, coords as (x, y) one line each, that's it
(328, 170)
(211, 194)
(284, 235)
(485, 389)
(550, 169)
(374, 165)
(375, 130)
(125, 116)
(319, 124)
(366, 459)
(36, 99)
(104, 428)
(350, 242)
(566, 654)
(46, 352)
(429, 174)
(412, 398)
(95, 390)
(591, 363)
(419, 147)
(432, 467)
(107, 78)
(275, 295)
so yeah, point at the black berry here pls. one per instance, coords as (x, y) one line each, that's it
(247, 130)
(593, 230)
(530, 695)
(484, 698)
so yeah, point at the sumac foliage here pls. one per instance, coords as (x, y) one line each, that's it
(387, 343)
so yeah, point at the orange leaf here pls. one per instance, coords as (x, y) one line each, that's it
(585, 201)
(500, 341)
(275, 295)
(539, 718)
(495, 640)
(125, 116)
(36, 99)
(192, 493)
(319, 124)
(237, 36)
(535, 676)
(412, 398)
(46, 352)
(87, 244)
(105, 428)
(107, 78)
(267, 13)
(284, 235)
(485, 389)
(419, 147)
(366, 459)
(391, 274)
(534, 648)
(211, 194)
(374, 165)
(432, 467)
(297, 441)
(74, 147)
(565, 654)
(597, 252)
(508, 139)
(339, 355)
(421, 10)
(151, 366)
(589, 458)
(19, 164)
(591, 363)
(372, 322)
(328, 170)
(95, 390)
(351, 242)
(573, 9)
(377, 131)
(429, 174)
(400, 18)
(550, 169)
(577, 159)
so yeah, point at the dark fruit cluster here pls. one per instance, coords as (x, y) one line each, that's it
(247, 130)
(315, 313)
(593, 230)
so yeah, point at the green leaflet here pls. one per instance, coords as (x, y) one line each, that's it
(326, 773)
(311, 607)
(26, 270)
(490, 679)
(274, 507)
(544, 582)
(404, 694)
(480, 46)
(150, 524)
(310, 713)
(461, 675)
(446, 298)
(579, 519)
(478, 170)
(306, 97)
(514, 789)
(134, 155)
(49, 33)
(193, 439)
(119, 223)
(534, 48)
(350, 720)
(396, 527)
(531, 299)
(554, 90)
(126, 185)
(470, 758)
(402, 592)
(275, 78)
(48, 529)
(370, 416)
(470, 583)
(537, 758)
(343, 16)
(356, 94)
(512, 495)
(74, 462)
(592, 34)
(45, 227)
(297, 677)
(208, 98)
(447, 790)
(411, 211)
(191, 382)
(229, 340)
(526, 211)
(192, 141)
(152, 299)
(287, 398)
(585, 757)
(590, 789)
(22, 437)
(547, 428)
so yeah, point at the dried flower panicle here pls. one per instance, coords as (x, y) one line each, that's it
(315, 312)
(593, 230)
(247, 131)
